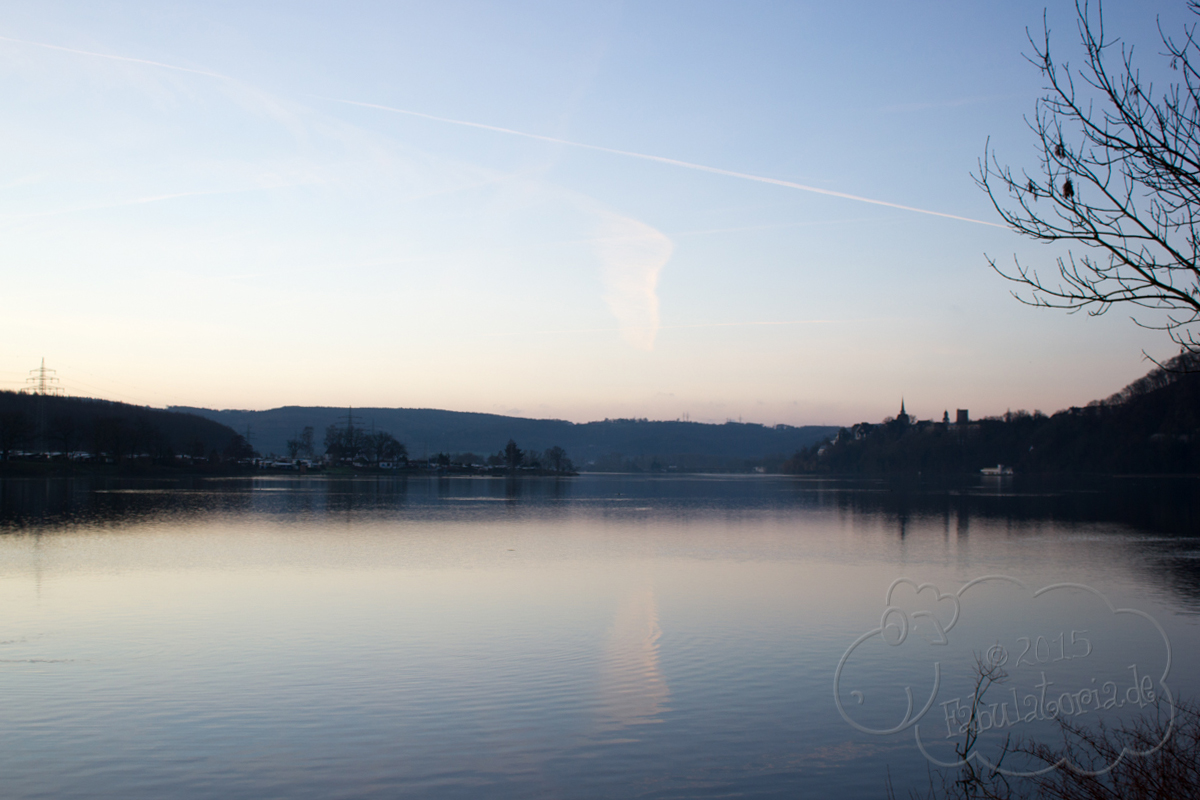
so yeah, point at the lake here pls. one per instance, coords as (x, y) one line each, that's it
(595, 636)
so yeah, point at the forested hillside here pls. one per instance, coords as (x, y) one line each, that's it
(619, 444)
(49, 423)
(1151, 426)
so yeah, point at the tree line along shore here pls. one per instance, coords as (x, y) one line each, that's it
(50, 434)
(1151, 426)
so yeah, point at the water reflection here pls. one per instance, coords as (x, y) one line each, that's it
(1138, 506)
(34, 503)
(1169, 504)
(598, 636)
(632, 688)
(1161, 505)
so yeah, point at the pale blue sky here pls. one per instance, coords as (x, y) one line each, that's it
(210, 204)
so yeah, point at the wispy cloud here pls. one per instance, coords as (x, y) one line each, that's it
(672, 161)
(112, 57)
(551, 139)
(137, 201)
(778, 225)
(248, 96)
(26, 180)
(632, 254)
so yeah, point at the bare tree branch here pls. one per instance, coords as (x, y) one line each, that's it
(1119, 175)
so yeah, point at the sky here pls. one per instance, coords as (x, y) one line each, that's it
(706, 210)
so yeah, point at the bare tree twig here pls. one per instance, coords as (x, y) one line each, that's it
(1119, 175)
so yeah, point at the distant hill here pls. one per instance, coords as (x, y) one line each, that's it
(610, 444)
(65, 424)
(1151, 426)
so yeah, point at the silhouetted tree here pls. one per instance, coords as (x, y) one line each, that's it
(302, 445)
(196, 448)
(64, 432)
(112, 437)
(512, 455)
(383, 446)
(555, 457)
(14, 432)
(238, 448)
(1119, 176)
(334, 438)
(344, 444)
(147, 438)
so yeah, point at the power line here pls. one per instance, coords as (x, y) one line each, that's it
(42, 381)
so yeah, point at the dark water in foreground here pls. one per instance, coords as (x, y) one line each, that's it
(601, 636)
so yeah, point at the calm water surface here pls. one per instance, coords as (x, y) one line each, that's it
(600, 636)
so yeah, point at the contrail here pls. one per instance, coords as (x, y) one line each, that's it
(116, 58)
(664, 160)
(644, 156)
